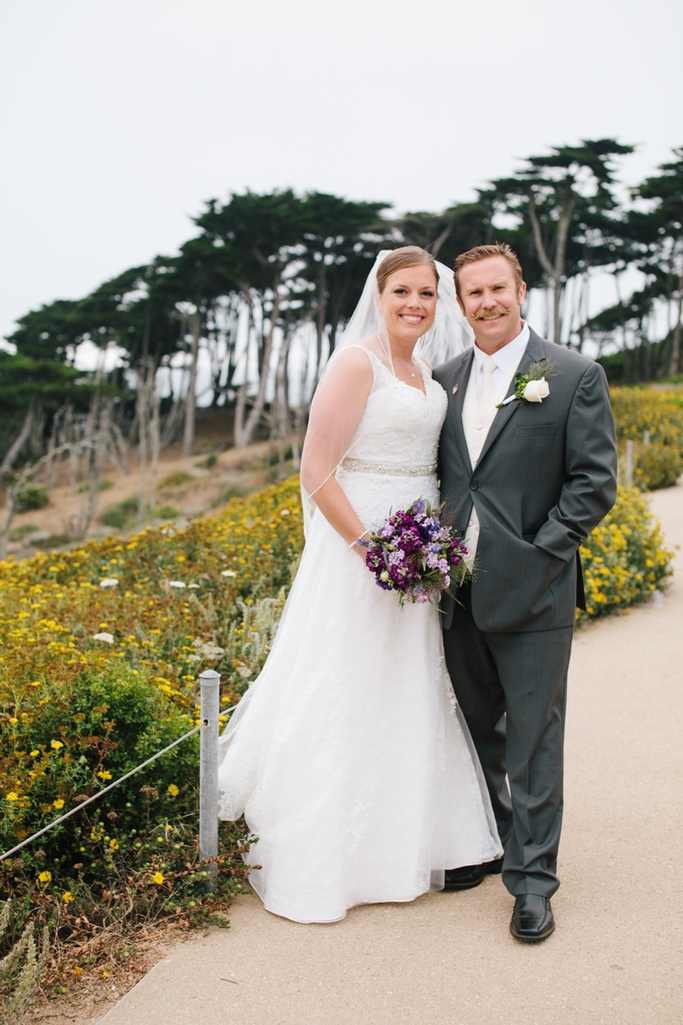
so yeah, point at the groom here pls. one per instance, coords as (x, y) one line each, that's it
(526, 479)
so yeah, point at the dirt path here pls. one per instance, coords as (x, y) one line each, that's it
(448, 958)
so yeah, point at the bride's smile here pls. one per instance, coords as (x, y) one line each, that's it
(408, 303)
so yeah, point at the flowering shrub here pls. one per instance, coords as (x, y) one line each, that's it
(657, 466)
(637, 410)
(624, 559)
(100, 650)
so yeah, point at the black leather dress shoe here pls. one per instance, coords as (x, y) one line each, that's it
(471, 875)
(532, 919)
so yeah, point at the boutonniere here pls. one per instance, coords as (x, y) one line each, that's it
(533, 386)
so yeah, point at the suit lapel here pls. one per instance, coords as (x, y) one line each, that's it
(534, 351)
(456, 398)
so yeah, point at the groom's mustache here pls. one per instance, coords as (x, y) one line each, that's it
(490, 314)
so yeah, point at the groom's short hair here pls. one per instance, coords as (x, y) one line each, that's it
(483, 253)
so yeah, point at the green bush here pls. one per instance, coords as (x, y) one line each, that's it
(230, 492)
(35, 496)
(657, 466)
(104, 485)
(176, 480)
(208, 463)
(22, 531)
(166, 512)
(122, 515)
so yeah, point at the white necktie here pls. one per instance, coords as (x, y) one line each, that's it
(487, 396)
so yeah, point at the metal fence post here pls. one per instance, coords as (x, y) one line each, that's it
(629, 463)
(208, 771)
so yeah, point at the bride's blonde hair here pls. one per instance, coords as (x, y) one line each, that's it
(406, 256)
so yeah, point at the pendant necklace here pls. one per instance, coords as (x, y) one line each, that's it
(406, 365)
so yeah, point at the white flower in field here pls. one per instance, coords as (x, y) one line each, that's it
(228, 573)
(206, 649)
(109, 582)
(176, 583)
(285, 512)
(193, 585)
(194, 658)
(103, 637)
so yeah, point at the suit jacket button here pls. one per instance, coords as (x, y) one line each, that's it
(473, 486)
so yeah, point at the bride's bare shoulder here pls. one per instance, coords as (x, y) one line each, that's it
(350, 368)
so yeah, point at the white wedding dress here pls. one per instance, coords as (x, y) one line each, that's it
(348, 756)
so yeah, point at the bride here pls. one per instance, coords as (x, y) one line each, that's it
(348, 756)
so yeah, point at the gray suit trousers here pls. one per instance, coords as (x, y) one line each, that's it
(512, 690)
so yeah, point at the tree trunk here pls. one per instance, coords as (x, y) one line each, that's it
(675, 363)
(29, 472)
(188, 433)
(320, 319)
(19, 442)
(155, 439)
(554, 269)
(142, 443)
(244, 429)
(97, 463)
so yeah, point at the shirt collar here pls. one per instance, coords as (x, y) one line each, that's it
(508, 357)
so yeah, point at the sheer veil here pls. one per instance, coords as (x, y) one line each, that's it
(337, 406)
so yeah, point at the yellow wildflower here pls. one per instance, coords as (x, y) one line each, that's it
(158, 878)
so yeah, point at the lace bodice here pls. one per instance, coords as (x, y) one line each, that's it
(400, 424)
(399, 429)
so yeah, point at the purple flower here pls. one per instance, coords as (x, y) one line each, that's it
(413, 554)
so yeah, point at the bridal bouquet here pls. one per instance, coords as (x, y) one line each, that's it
(415, 555)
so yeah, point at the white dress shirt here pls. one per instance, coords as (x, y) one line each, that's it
(506, 359)
(476, 422)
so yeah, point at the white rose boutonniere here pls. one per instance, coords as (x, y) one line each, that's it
(536, 391)
(532, 387)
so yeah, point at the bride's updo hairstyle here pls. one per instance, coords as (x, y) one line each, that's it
(406, 256)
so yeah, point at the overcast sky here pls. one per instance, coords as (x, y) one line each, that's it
(118, 118)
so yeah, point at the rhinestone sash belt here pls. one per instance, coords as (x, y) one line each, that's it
(388, 469)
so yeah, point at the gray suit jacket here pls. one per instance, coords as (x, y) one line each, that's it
(545, 478)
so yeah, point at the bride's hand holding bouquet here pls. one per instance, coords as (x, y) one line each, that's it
(415, 555)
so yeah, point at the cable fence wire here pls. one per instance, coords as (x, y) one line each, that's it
(208, 756)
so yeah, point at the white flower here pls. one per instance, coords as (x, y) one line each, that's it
(206, 649)
(284, 512)
(109, 582)
(176, 583)
(103, 637)
(194, 658)
(228, 573)
(536, 391)
(193, 585)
